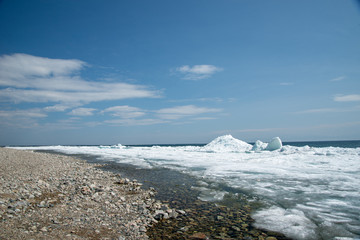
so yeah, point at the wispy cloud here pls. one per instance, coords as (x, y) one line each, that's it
(125, 111)
(347, 98)
(210, 99)
(329, 110)
(21, 118)
(184, 111)
(337, 79)
(30, 78)
(318, 110)
(29, 113)
(82, 112)
(197, 72)
(133, 116)
(205, 118)
(60, 107)
(136, 122)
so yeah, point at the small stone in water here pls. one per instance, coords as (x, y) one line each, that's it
(199, 236)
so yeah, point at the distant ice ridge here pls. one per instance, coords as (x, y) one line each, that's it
(118, 146)
(227, 143)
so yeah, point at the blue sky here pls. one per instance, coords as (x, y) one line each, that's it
(138, 72)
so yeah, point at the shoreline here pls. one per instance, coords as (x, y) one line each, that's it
(56, 196)
(49, 196)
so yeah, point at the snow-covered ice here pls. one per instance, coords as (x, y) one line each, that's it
(309, 192)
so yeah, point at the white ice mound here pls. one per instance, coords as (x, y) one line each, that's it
(227, 143)
(259, 146)
(275, 144)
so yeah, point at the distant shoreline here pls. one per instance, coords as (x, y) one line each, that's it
(312, 143)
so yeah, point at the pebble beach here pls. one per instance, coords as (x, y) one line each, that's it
(48, 196)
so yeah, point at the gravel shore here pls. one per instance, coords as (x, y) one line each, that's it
(48, 196)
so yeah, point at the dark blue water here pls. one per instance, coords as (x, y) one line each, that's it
(342, 144)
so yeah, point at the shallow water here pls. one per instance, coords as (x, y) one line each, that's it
(226, 219)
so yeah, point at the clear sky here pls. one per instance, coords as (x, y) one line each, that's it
(168, 71)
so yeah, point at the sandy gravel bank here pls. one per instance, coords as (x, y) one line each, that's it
(47, 196)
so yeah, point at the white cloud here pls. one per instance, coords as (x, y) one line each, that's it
(197, 72)
(125, 111)
(21, 118)
(347, 98)
(204, 118)
(36, 79)
(184, 111)
(210, 99)
(60, 107)
(132, 116)
(337, 79)
(329, 110)
(318, 110)
(82, 112)
(17, 66)
(29, 113)
(135, 122)
(105, 91)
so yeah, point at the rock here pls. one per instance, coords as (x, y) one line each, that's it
(173, 214)
(10, 211)
(42, 183)
(165, 207)
(182, 212)
(160, 214)
(185, 229)
(236, 228)
(85, 190)
(42, 205)
(199, 236)
(271, 238)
